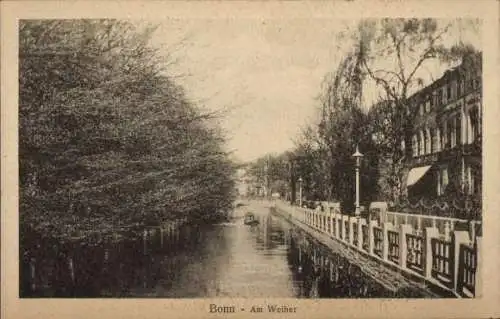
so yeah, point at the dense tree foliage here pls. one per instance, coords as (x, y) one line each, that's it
(106, 139)
(271, 172)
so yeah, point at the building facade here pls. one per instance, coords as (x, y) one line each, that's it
(446, 148)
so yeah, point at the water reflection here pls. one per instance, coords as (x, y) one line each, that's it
(271, 259)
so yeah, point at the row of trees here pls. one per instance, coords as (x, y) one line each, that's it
(106, 138)
(389, 57)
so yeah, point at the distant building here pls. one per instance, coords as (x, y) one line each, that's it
(446, 143)
(242, 182)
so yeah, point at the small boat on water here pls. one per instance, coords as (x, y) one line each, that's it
(250, 219)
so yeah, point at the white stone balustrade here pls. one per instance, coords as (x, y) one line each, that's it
(433, 254)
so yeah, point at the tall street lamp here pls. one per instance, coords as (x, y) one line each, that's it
(300, 191)
(357, 157)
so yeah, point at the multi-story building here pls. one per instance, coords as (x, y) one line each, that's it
(446, 142)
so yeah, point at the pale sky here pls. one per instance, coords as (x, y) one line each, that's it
(268, 72)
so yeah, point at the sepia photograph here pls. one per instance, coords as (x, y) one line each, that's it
(133, 185)
(218, 158)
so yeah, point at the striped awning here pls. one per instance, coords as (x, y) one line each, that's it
(416, 174)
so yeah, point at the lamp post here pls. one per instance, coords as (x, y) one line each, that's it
(300, 191)
(357, 156)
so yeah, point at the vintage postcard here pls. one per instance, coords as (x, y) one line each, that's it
(185, 159)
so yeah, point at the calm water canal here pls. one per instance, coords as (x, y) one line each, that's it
(229, 259)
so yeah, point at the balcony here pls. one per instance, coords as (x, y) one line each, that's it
(423, 160)
(447, 154)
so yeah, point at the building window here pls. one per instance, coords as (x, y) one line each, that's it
(475, 83)
(438, 139)
(468, 82)
(474, 123)
(427, 105)
(445, 179)
(427, 141)
(476, 181)
(442, 180)
(434, 140)
(451, 134)
(469, 180)
(443, 136)
(422, 143)
(458, 130)
(415, 145)
(449, 91)
(444, 97)
(421, 109)
(460, 86)
(438, 177)
(418, 144)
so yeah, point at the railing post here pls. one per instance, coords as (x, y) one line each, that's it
(403, 247)
(429, 234)
(321, 221)
(342, 227)
(458, 238)
(328, 229)
(478, 285)
(325, 222)
(318, 220)
(351, 230)
(385, 240)
(371, 236)
(360, 224)
(337, 228)
(332, 224)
